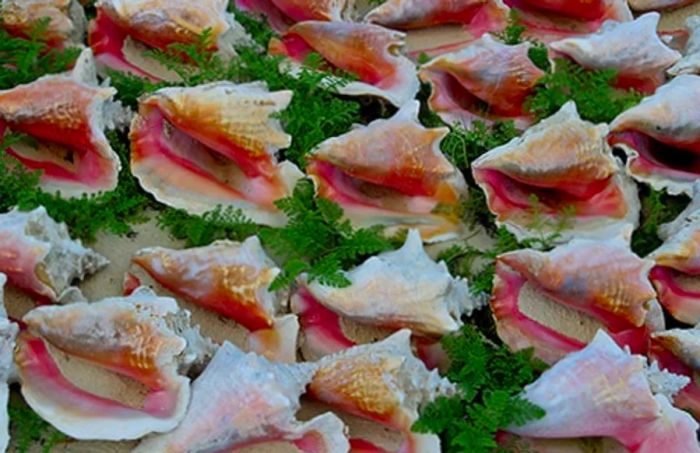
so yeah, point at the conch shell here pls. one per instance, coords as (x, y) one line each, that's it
(690, 63)
(400, 289)
(370, 52)
(603, 391)
(392, 172)
(67, 22)
(8, 333)
(137, 343)
(559, 176)
(678, 264)
(241, 399)
(39, 257)
(124, 29)
(222, 282)
(640, 64)
(487, 80)
(198, 147)
(281, 14)
(661, 136)
(485, 15)
(382, 382)
(66, 115)
(583, 284)
(549, 20)
(678, 351)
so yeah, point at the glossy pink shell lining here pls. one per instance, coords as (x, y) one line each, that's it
(107, 41)
(506, 196)
(646, 163)
(321, 327)
(549, 343)
(341, 188)
(92, 171)
(40, 368)
(682, 303)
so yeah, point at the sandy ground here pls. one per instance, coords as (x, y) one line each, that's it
(119, 250)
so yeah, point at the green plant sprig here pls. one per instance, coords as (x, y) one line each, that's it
(657, 208)
(29, 430)
(489, 379)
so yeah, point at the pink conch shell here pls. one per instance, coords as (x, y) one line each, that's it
(281, 14)
(646, 5)
(228, 280)
(678, 351)
(392, 172)
(66, 25)
(549, 20)
(124, 29)
(677, 269)
(198, 147)
(602, 283)
(565, 163)
(39, 257)
(661, 136)
(640, 63)
(401, 289)
(604, 391)
(242, 399)
(66, 114)
(382, 382)
(690, 63)
(138, 343)
(487, 80)
(8, 333)
(477, 16)
(370, 52)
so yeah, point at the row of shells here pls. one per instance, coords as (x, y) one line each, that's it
(198, 147)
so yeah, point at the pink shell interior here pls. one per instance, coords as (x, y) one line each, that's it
(550, 344)
(38, 367)
(107, 41)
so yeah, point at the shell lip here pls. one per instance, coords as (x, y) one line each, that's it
(662, 164)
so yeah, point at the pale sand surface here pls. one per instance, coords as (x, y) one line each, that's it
(119, 250)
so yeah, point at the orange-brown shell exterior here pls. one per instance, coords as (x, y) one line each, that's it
(160, 23)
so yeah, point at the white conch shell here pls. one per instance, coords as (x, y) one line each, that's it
(569, 159)
(381, 381)
(242, 398)
(8, 333)
(640, 62)
(229, 138)
(144, 338)
(67, 114)
(370, 51)
(690, 63)
(668, 117)
(401, 289)
(38, 255)
(602, 390)
(392, 173)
